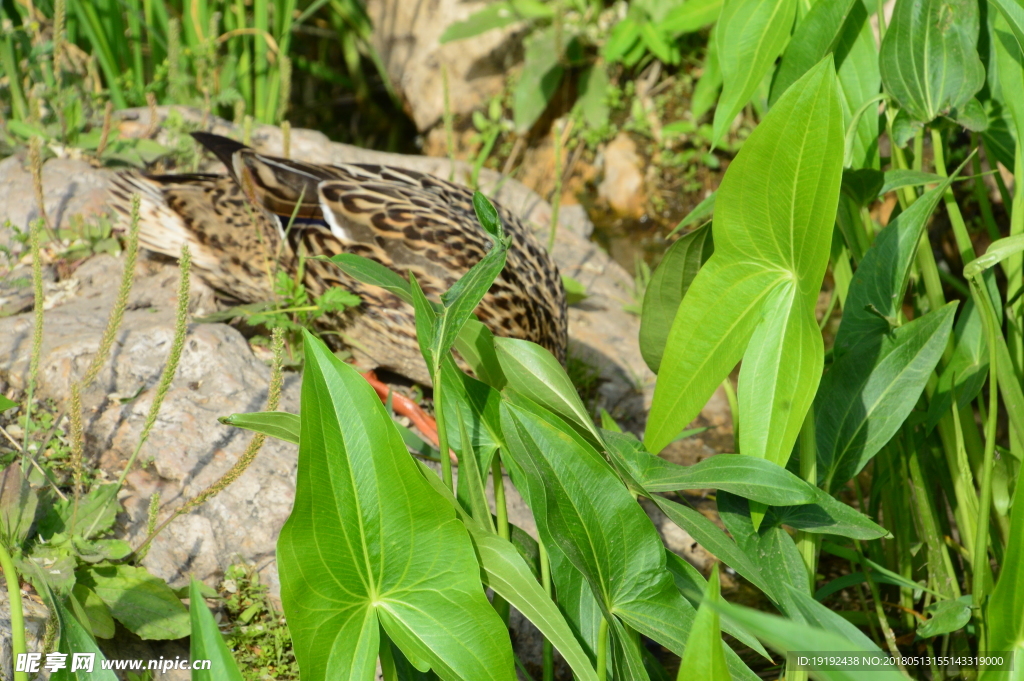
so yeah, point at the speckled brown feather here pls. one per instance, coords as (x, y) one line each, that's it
(402, 219)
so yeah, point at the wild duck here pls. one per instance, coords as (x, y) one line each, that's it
(235, 226)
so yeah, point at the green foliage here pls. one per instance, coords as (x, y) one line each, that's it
(206, 641)
(258, 635)
(864, 504)
(419, 595)
(754, 298)
(666, 289)
(929, 58)
(750, 35)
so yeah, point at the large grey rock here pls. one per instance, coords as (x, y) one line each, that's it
(406, 35)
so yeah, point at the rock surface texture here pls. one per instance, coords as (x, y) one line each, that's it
(219, 374)
(406, 36)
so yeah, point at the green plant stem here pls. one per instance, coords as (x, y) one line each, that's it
(734, 409)
(956, 218)
(602, 650)
(982, 573)
(925, 258)
(548, 651)
(17, 615)
(35, 242)
(1013, 267)
(890, 637)
(807, 543)
(261, 75)
(442, 429)
(940, 567)
(500, 505)
(981, 192)
(9, 61)
(387, 660)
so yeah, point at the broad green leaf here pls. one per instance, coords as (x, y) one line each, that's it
(542, 72)
(18, 503)
(877, 287)
(471, 491)
(666, 289)
(870, 391)
(206, 643)
(702, 210)
(476, 345)
(967, 370)
(1005, 625)
(459, 301)
(778, 559)
(746, 476)
(621, 39)
(827, 515)
(862, 185)
(534, 372)
(657, 44)
(6, 403)
(97, 510)
(74, 638)
(487, 215)
(97, 614)
(692, 584)
(704, 657)
(377, 548)
(751, 34)
(494, 16)
(593, 89)
(999, 141)
(971, 115)
(691, 16)
(895, 179)
(773, 229)
(507, 573)
(780, 373)
(577, 491)
(711, 537)
(143, 603)
(929, 57)
(946, 617)
(998, 250)
(572, 493)
(787, 636)
(474, 405)
(1007, 38)
(372, 272)
(627, 660)
(279, 424)
(821, 617)
(705, 93)
(815, 36)
(427, 321)
(856, 58)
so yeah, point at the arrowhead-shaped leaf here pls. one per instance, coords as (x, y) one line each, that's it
(750, 35)
(773, 228)
(929, 57)
(370, 543)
